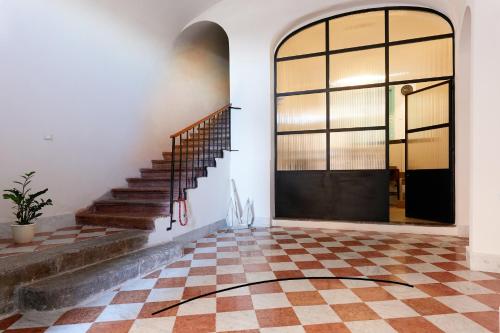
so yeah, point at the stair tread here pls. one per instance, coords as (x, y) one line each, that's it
(148, 202)
(140, 189)
(129, 216)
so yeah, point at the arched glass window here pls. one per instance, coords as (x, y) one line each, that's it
(335, 81)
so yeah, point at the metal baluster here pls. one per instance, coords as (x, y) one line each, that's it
(172, 175)
(209, 139)
(179, 194)
(192, 162)
(198, 164)
(187, 161)
(204, 141)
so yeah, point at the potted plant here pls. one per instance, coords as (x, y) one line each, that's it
(27, 208)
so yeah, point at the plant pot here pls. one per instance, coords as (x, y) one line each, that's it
(23, 233)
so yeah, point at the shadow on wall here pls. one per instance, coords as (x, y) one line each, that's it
(198, 80)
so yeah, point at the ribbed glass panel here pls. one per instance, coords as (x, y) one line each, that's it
(357, 108)
(310, 40)
(357, 150)
(302, 74)
(429, 149)
(302, 112)
(357, 68)
(408, 24)
(302, 152)
(421, 60)
(357, 30)
(429, 107)
(397, 156)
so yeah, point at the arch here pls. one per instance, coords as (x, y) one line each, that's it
(360, 57)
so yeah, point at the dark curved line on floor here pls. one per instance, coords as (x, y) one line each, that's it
(278, 280)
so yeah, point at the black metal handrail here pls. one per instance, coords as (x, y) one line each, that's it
(197, 146)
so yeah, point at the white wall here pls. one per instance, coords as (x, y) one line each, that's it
(254, 30)
(95, 75)
(485, 118)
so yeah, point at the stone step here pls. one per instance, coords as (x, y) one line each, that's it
(162, 169)
(129, 220)
(142, 193)
(72, 288)
(16, 271)
(159, 182)
(150, 207)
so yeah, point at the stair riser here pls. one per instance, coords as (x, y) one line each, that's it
(141, 195)
(162, 173)
(144, 182)
(136, 208)
(116, 221)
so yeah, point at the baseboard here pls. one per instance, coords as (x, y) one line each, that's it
(359, 226)
(486, 262)
(43, 224)
(200, 232)
(262, 222)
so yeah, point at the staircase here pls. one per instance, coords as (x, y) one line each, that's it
(153, 194)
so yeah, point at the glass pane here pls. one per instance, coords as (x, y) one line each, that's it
(428, 149)
(421, 60)
(357, 108)
(302, 74)
(357, 30)
(357, 68)
(302, 152)
(359, 150)
(408, 24)
(302, 112)
(429, 107)
(310, 40)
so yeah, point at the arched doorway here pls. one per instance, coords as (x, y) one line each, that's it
(364, 118)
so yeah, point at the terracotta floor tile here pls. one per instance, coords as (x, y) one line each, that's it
(7, 322)
(371, 254)
(190, 292)
(437, 289)
(134, 296)
(209, 270)
(490, 284)
(228, 261)
(305, 298)
(234, 303)
(249, 268)
(398, 269)
(174, 282)
(180, 264)
(277, 317)
(408, 260)
(295, 251)
(373, 294)
(228, 249)
(413, 325)
(327, 328)
(325, 256)
(450, 266)
(283, 258)
(207, 244)
(428, 306)
(201, 256)
(266, 288)
(444, 276)
(359, 262)
(111, 327)
(195, 324)
(327, 284)
(347, 271)
(487, 319)
(354, 312)
(309, 265)
(238, 278)
(150, 307)
(288, 274)
(80, 315)
(311, 245)
(491, 300)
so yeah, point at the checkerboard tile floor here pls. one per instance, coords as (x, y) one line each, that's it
(45, 240)
(447, 297)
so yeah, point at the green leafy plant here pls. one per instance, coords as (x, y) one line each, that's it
(27, 206)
